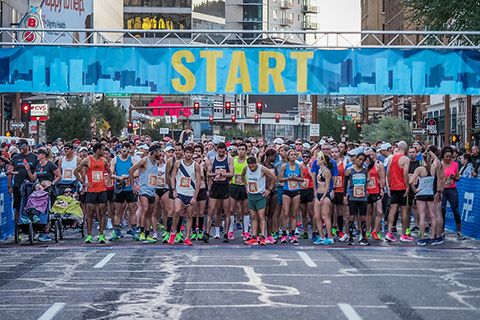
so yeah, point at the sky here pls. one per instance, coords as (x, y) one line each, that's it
(339, 15)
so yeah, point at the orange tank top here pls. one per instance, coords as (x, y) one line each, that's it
(373, 186)
(397, 181)
(339, 180)
(96, 175)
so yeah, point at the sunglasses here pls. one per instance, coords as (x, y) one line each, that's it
(67, 191)
(299, 144)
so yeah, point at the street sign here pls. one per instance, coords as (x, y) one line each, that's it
(432, 126)
(348, 118)
(118, 95)
(314, 130)
(17, 125)
(33, 127)
(419, 131)
(164, 130)
(39, 110)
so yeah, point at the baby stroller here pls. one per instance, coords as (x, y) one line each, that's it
(31, 220)
(66, 211)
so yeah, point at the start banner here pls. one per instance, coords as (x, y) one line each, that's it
(120, 70)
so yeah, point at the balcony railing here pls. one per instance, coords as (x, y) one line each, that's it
(308, 25)
(286, 21)
(286, 4)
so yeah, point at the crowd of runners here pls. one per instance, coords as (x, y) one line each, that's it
(276, 192)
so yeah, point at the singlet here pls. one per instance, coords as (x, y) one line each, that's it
(426, 185)
(67, 169)
(357, 185)
(161, 177)
(338, 181)
(256, 181)
(148, 179)
(238, 167)
(220, 166)
(373, 185)
(321, 179)
(292, 185)
(307, 179)
(397, 182)
(121, 169)
(448, 171)
(96, 175)
(184, 183)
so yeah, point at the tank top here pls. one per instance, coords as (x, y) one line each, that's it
(373, 186)
(256, 181)
(426, 185)
(185, 182)
(291, 185)
(121, 169)
(338, 181)
(321, 179)
(220, 166)
(448, 171)
(357, 185)
(397, 182)
(67, 169)
(307, 179)
(147, 179)
(161, 177)
(96, 175)
(238, 167)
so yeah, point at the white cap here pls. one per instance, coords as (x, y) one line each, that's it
(385, 146)
(306, 145)
(13, 149)
(55, 150)
(278, 141)
(168, 148)
(143, 146)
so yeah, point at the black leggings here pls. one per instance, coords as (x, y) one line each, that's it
(450, 195)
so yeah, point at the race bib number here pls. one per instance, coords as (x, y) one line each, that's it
(238, 179)
(292, 185)
(371, 183)
(152, 180)
(108, 183)
(218, 171)
(304, 184)
(253, 187)
(97, 176)
(448, 182)
(185, 182)
(337, 182)
(68, 174)
(160, 181)
(359, 191)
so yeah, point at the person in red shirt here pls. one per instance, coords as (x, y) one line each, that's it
(375, 189)
(307, 194)
(397, 178)
(340, 213)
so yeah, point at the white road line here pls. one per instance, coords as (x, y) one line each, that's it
(104, 261)
(52, 311)
(349, 312)
(308, 261)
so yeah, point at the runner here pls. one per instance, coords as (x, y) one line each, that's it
(160, 210)
(375, 190)
(272, 204)
(307, 194)
(415, 162)
(96, 192)
(178, 155)
(67, 165)
(340, 212)
(200, 205)
(186, 178)
(238, 192)
(255, 182)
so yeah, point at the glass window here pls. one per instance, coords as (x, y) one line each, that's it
(274, 13)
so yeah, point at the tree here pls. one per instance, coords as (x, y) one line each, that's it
(70, 122)
(438, 15)
(105, 109)
(332, 127)
(388, 129)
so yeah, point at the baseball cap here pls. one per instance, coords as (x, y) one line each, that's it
(55, 150)
(385, 146)
(81, 149)
(143, 146)
(168, 148)
(278, 141)
(153, 148)
(306, 145)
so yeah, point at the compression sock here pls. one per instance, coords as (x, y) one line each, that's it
(246, 223)
(179, 225)
(363, 225)
(232, 222)
(200, 223)
(340, 223)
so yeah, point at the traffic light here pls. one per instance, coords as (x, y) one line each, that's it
(259, 107)
(256, 117)
(25, 111)
(210, 120)
(196, 108)
(7, 109)
(407, 111)
(130, 127)
(277, 118)
(302, 117)
(228, 107)
(456, 138)
(234, 119)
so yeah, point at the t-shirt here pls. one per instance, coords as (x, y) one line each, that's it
(45, 172)
(19, 167)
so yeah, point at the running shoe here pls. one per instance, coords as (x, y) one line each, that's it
(427, 229)
(44, 238)
(437, 241)
(408, 232)
(35, 219)
(318, 240)
(88, 239)
(217, 236)
(297, 231)
(246, 235)
(205, 237)
(275, 235)
(231, 236)
(314, 236)
(415, 229)
(342, 237)
(131, 232)
(375, 235)
(251, 242)
(165, 237)
(200, 235)
(334, 230)
(171, 240)
(160, 226)
(369, 235)
(188, 242)
(155, 236)
(406, 238)
(327, 241)
(270, 240)
(350, 242)
(422, 242)
(305, 235)
(193, 236)
(460, 235)
(263, 242)
(283, 239)
(179, 238)
(390, 237)
(101, 239)
(225, 238)
(364, 242)
(114, 236)
(142, 237)
(294, 241)
(149, 239)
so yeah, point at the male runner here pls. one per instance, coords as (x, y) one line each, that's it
(238, 193)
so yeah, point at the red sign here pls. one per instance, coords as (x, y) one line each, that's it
(43, 118)
(161, 109)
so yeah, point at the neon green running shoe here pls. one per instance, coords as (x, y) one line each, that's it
(408, 232)
(334, 231)
(179, 238)
(369, 235)
(165, 237)
(149, 239)
(114, 236)
(88, 239)
(193, 236)
(142, 236)
(101, 239)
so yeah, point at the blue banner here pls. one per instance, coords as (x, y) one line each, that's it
(7, 227)
(468, 199)
(234, 70)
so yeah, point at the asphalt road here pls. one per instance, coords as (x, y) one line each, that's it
(130, 280)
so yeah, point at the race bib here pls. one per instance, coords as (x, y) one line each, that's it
(68, 174)
(337, 182)
(238, 179)
(371, 183)
(108, 183)
(97, 176)
(160, 181)
(152, 180)
(292, 185)
(304, 184)
(185, 182)
(218, 171)
(253, 187)
(448, 182)
(359, 191)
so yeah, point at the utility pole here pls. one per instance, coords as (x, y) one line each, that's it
(314, 117)
(469, 123)
(447, 120)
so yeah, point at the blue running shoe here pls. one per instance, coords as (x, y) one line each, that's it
(319, 240)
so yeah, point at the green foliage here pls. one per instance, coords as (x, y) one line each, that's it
(438, 15)
(388, 129)
(236, 132)
(106, 110)
(331, 126)
(70, 122)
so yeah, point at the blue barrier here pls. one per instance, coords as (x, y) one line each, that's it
(6, 212)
